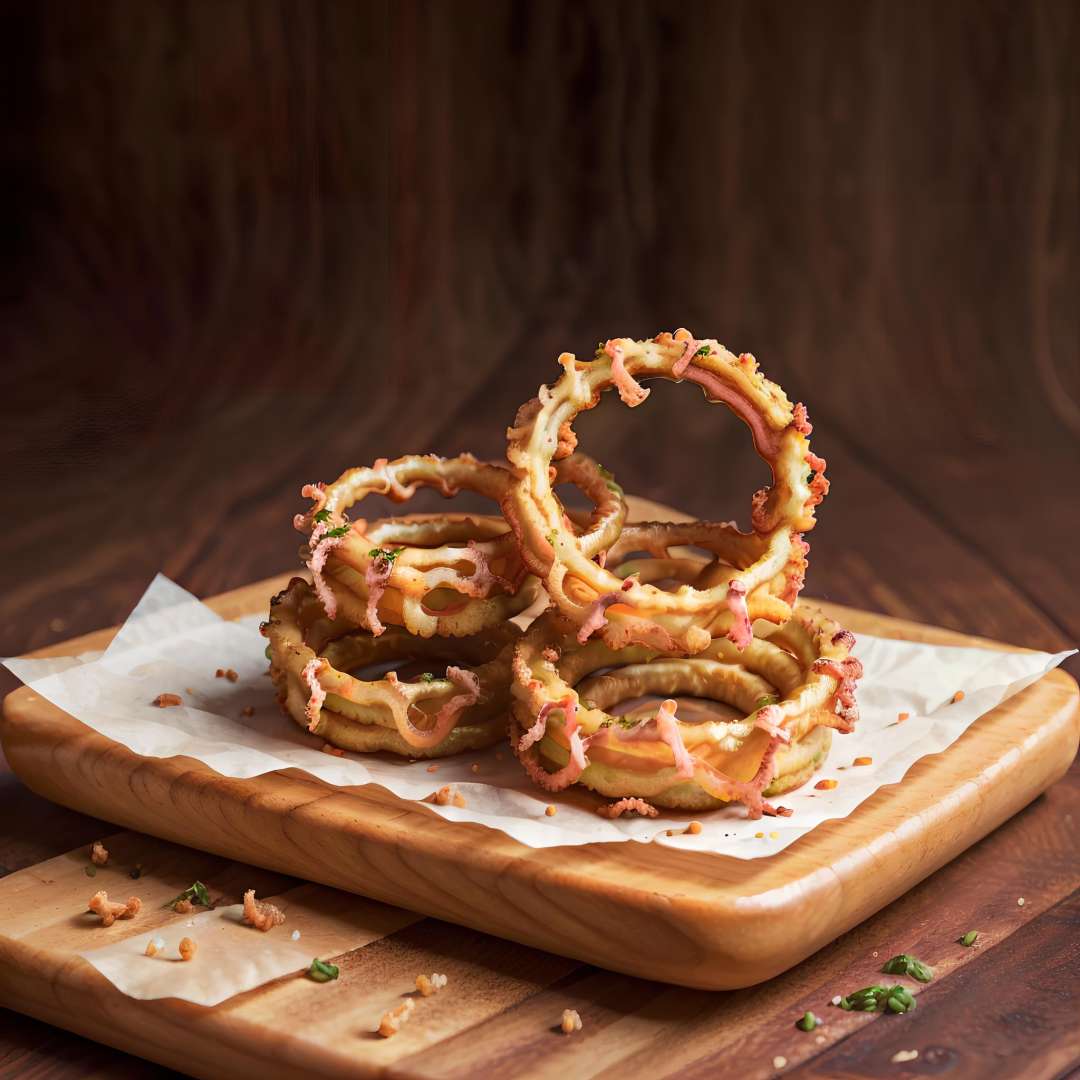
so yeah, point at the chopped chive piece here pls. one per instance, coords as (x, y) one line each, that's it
(706, 350)
(427, 676)
(969, 938)
(807, 1022)
(196, 893)
(766, 700)
(905, 964)
(321, 971)
(895, 999)
(338, 533)
(387, 555)
(323, 516)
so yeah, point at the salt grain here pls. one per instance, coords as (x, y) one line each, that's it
(295, 935)
(904, 1055)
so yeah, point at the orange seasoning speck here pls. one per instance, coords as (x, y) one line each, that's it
(187, 948)
(164, 701)
(826, 785)
(694, 828)
(433, 768)
(863, 761)
(550, 811)
(902, 717)
(459, 800)
(958, 696)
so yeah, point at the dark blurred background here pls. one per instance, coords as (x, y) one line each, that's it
(249, 244)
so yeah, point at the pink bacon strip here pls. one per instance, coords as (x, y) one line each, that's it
(630, 390)
(664, 727)
(741, 633)
(316, 694)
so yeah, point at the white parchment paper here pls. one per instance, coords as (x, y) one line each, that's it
(172, 643)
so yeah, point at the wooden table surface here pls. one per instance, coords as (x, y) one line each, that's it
(252, 244)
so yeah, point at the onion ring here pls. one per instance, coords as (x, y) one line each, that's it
(311, 655)
(766, 576)
(407, 572)
(563, 733)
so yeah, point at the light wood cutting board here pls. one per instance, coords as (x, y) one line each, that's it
(696, 919)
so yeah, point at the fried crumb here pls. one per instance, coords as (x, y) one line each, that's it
(1020, 902)
(260, 914)
(475, 766)
(110, 910)
(902, 717)
(570, 1022)
(904, 1055)
(248, 710)
(826, 785)
(759, 836)
(183, 906)
(164, 701)
(440, 797)
(863, 761)
(550, 811)
(226, 673)
(958, 696)
(187, 948)
(550, 654)
(154, 946)
(779, 1061)
(336, 751)
(628, 806)
(430, 984)
(459, 800)
(784, 811)
(98, 855)
(392, 1019)
(432, 768)
(694, 828)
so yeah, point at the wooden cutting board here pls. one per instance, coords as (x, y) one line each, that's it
(696, 919)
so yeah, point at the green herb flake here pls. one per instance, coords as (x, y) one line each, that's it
(706, 350)
(552, 537)
(386, 555)
(336, 534)
(268, 653)
(905, 964)
(90, 871)
(196, 893)
(322, 517)
(969, 938)
(427, 676)
(765, 701)
(896, 999)
(320, 971)
(807, 1022)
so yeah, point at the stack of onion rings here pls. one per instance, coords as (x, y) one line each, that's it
(662, 622)
(423, 587)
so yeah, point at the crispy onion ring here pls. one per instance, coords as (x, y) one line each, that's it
(446, 576)
(766, 566)
(311, 655)
(563, 733)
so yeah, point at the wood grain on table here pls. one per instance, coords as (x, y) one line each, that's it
(251, 244)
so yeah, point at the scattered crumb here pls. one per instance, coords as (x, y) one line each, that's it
(836, 1000)
(902, 717)
(90, 871)
(570, 1022)
(248, 710)
(433, 768)
(551, 811)
(183, 906)
(187, 948)
(392, 1019)
(863, 761)
(440, 797)
(820, 1040)
(110, 910)
(784, 811)
(98, 855)
(154, 946)
(958, 696)
(779, 1061)
(550, 654)
(694, 828)
(1020, 902)
(326, 748)
(430, 984)
(774, 836)
(295, 935)
(904, 1055)
(226, 673)
(164, 701)
(759, 836)
(459, 800)
(826, 785)
(261, 915)
(475, 766)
